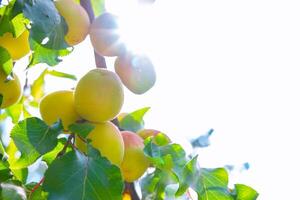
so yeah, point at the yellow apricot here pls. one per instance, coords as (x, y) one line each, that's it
(99, 95)
(76, 18)
(135, 163)
(136, 72)
(105, 37)
(10, 89)
(59, 105)
(17, 47)
(107, 139)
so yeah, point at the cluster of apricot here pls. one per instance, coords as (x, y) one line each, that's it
(98, 98)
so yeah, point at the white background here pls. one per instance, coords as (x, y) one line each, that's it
(228, 65)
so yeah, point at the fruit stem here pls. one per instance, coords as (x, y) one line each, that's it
(86, 4)
(69, 142)
(130, 189)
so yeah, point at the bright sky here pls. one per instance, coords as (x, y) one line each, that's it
(229, 65)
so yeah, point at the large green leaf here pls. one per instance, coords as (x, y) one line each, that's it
(244, 192)
(134, 121)
(6, 63)
(79, 177)
(32, 138)
(46, 23)
(42, 54)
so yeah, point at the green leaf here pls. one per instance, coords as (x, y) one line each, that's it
(50, 156)
(10, 191)
(4, 171)
(37, 88)
(14, 112)
(62, 74)
(46, 23)
(6, 62)
(82, 129)
(42, 54)
(20, 174)
(80, 177)
(2, 150)
(134, 121)
(212, 184)
(33, 138)
(244, 192)
(98, 7)
(12, 20)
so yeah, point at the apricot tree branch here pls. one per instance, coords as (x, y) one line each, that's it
(86, 4)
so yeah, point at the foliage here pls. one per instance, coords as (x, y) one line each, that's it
(72, 174)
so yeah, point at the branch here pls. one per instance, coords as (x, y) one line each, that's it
(36, 187)
(86, 4)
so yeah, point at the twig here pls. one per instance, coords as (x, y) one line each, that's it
(86, 4)
(69, 142)
(36, 187)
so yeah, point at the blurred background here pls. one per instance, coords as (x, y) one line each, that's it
(228, 65)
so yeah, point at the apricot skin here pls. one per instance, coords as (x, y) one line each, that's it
(104, 36)
(10, 90)
(136, 72)
(107, 139)
(99, 95)
(135, 163)
(76, 18)
(16, 47)
(59, 105)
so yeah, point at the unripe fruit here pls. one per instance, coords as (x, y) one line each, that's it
(136, 72)
(99, 95)
(76, 18)
(135, 163)
(107, 139)
(9, 89)
(105, 37)
(145, 133)
(16, 47)
(59, 105)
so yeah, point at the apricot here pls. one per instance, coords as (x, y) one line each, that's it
(10, 89)
(136, 72)
(105, 37)
(145, 133)
(107, 139)
(135, 163)
(59, 105)
(16, 47)
(76, 18)
(99, 95)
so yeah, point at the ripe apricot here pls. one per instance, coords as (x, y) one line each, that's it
(135, 163)
(10, 90)
(99, 95)
(107, 139)
(136, 72)
(59, 105)
(16, 47)
(76, 18)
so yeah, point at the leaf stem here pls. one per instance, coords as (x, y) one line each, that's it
(69, 142)
(130, 189)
